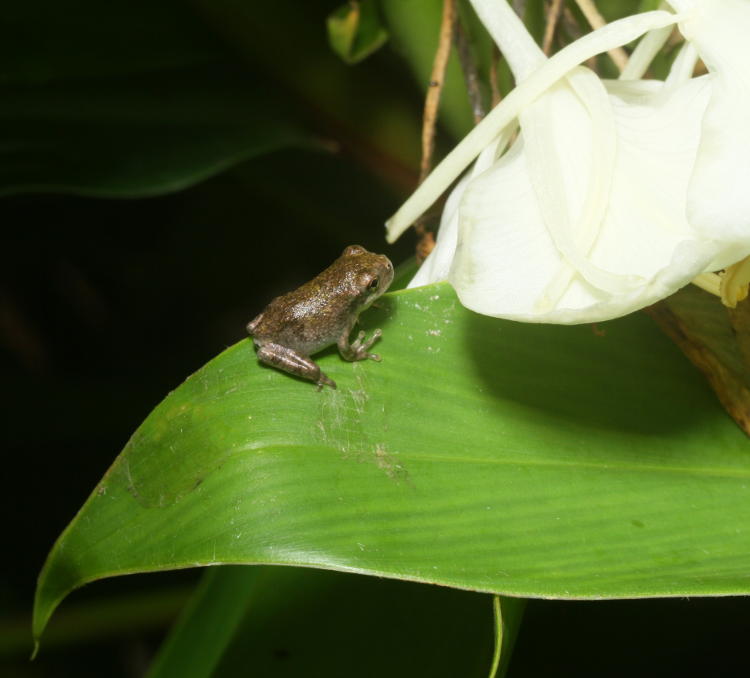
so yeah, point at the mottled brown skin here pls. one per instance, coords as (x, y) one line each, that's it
(321, 313)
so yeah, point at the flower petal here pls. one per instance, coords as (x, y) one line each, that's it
(644, 53)
(521, 53)
(719, 197)
(507, 256)
(614, 34)
(437, 265)
(570, 150)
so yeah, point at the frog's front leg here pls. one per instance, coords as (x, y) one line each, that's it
(292, 362)
(357, 350)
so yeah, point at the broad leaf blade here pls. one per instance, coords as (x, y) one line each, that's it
(206, 627)
(487, 455)
(299, 621)
(127, 100)
(135, 137)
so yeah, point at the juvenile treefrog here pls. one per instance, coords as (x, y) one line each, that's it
(321, 313)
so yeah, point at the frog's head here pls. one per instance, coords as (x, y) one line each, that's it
(372, 273)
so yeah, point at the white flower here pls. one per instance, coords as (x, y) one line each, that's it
(719, 191)
(615, 193)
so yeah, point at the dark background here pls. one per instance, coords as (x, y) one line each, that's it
(107, 305)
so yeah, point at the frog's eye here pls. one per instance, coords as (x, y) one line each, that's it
(374, 284)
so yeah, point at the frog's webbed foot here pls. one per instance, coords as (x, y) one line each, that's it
(359, 347)
(290, 361)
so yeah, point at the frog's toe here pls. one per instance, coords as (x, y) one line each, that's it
(323, 380)
(375, 336)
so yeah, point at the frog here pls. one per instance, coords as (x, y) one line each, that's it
(321, 313)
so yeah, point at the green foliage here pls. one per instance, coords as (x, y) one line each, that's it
(556, 462)
(296, 621)
(508, 613)
(355, 30)
(475, 447)
(126, 99)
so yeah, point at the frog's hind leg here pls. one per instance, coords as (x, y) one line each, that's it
(289, 361)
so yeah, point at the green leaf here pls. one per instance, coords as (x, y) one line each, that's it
(89, 622)
(285, 621)
(134, 138)
(355, 30)
(560, 462)
(126, 99)
(206, 627)
(508, 613)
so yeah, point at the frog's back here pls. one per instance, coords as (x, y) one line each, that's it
(300, 320)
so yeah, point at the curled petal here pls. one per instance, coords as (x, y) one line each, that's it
(614, 34)
(507, 256)
(719, 198)
(522, 54)
(644, 53)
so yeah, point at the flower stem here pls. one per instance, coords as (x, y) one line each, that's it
(553, 14)
(596, 20)
(435, 87)
(429, 119)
